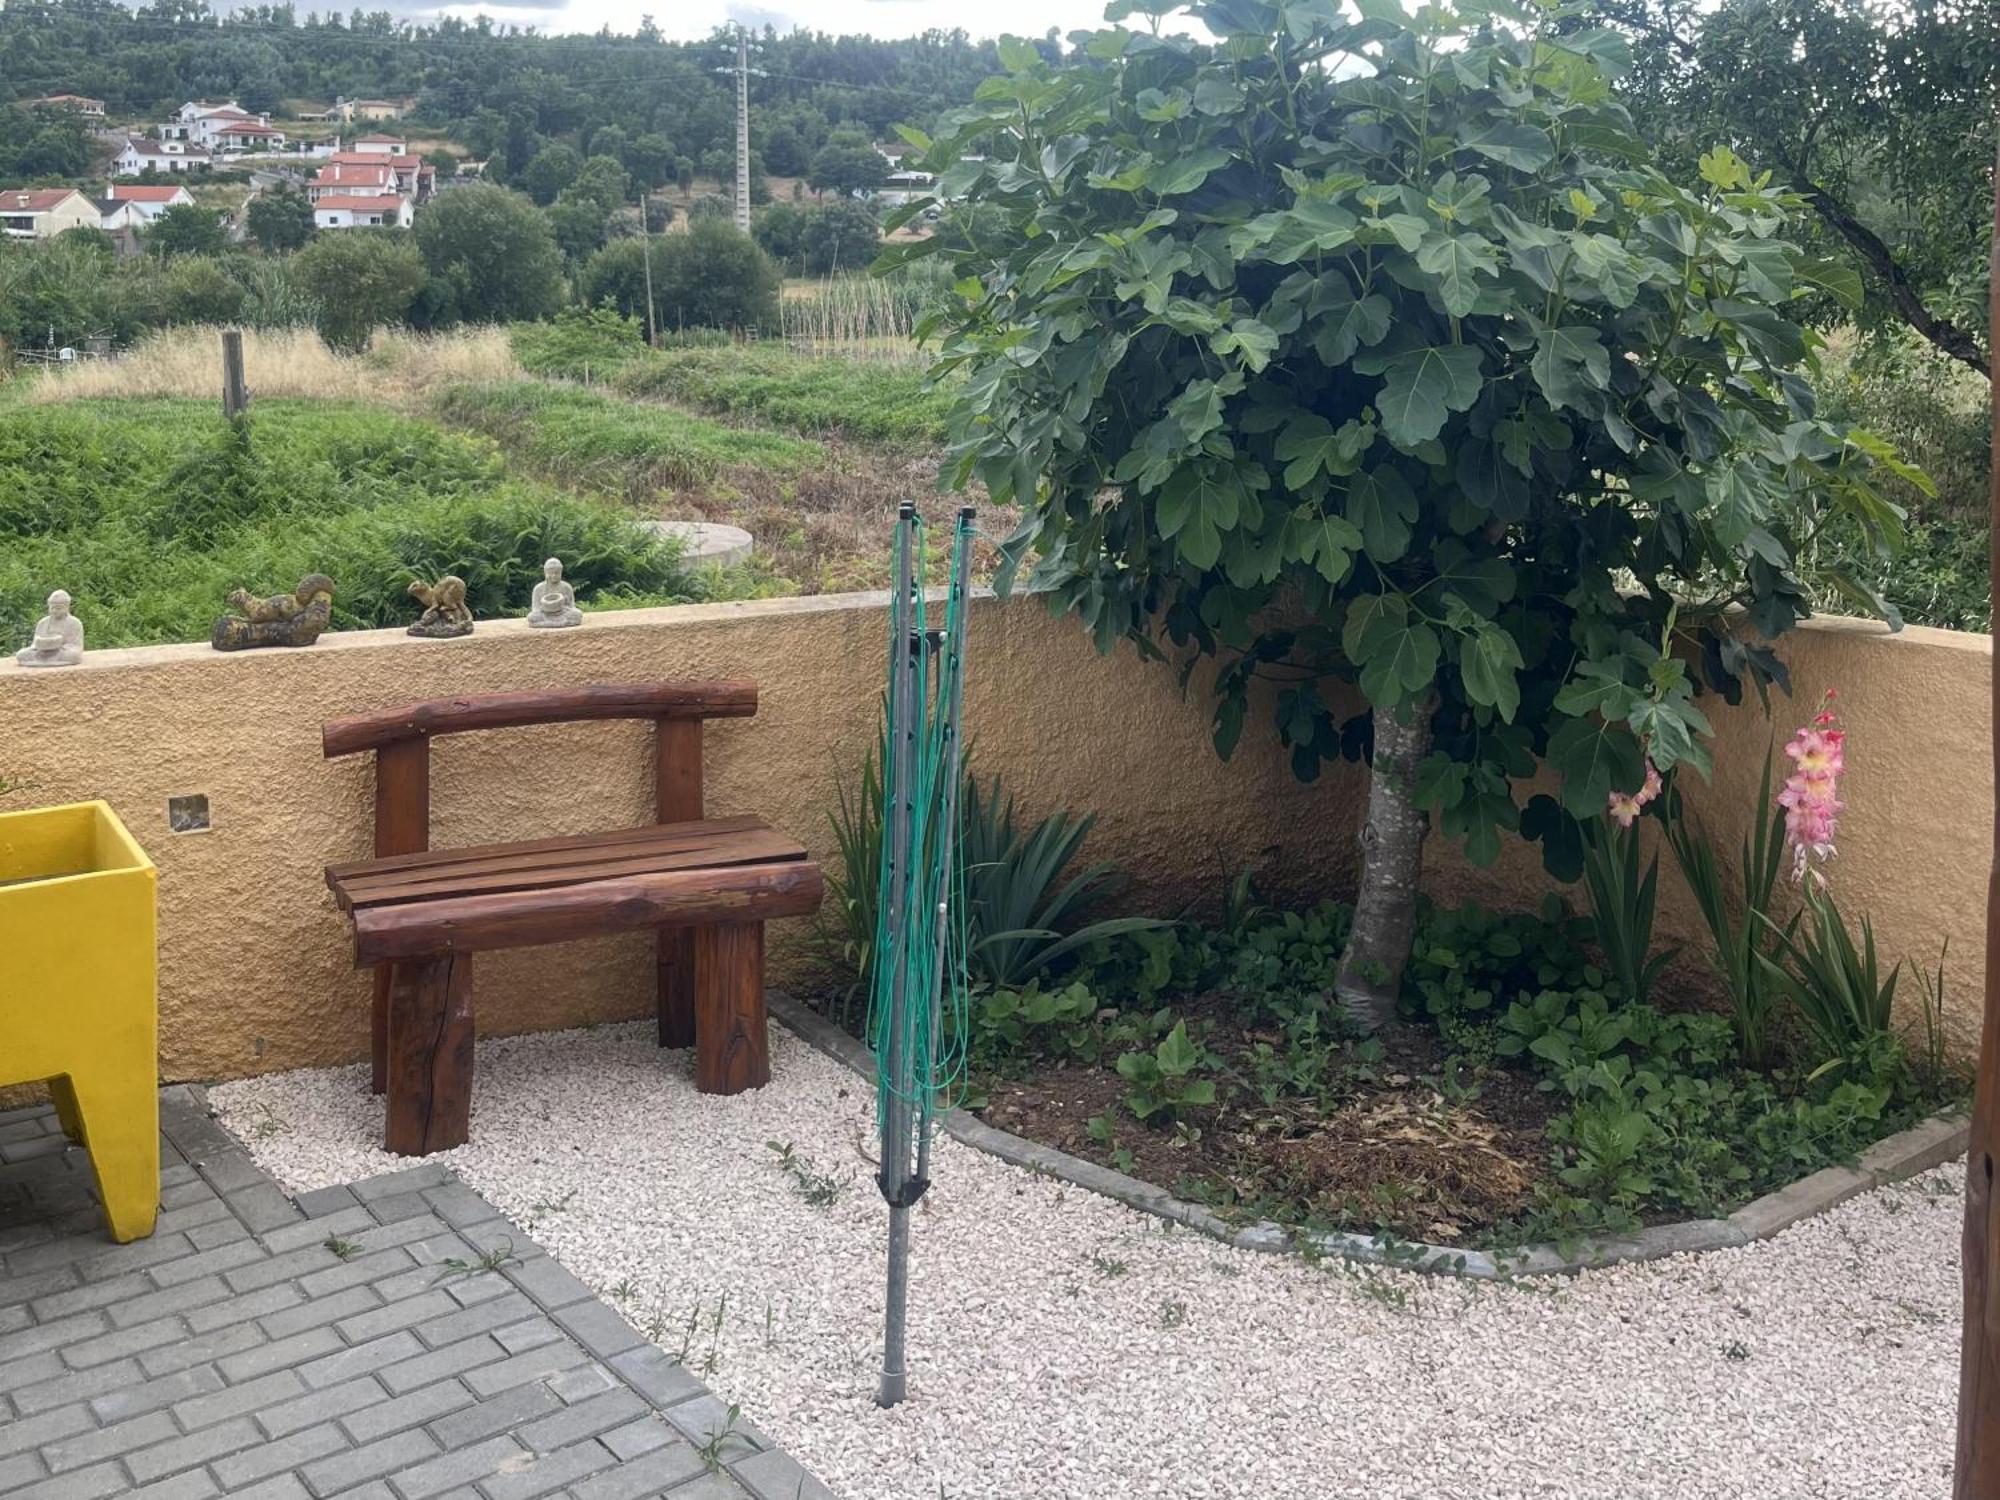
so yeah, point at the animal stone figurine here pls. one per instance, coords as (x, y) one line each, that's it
(293, 619)
(554, 605)
(445, 615)
(58, 638)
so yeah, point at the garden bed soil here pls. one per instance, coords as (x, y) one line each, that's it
(1399, 1152)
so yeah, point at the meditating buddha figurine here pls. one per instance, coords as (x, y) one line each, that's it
(554, 605)
(58, 639)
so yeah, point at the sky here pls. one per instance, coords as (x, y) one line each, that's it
(685, 19)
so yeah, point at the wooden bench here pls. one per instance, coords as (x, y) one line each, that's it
(707, 884)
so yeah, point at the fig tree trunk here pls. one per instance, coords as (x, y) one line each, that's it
(1392, 861)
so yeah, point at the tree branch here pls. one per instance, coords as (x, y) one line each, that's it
(1946, 335)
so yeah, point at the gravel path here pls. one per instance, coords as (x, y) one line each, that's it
(1066, 1348)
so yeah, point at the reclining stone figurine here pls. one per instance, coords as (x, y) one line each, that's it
(293, 619)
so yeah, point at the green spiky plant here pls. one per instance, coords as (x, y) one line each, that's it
(1743, 932)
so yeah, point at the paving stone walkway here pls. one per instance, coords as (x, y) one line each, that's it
(397, 1339)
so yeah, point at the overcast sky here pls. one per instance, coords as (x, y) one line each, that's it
(682, 19)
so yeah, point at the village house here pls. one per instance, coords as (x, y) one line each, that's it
(142, 153)
(221, 128)
(92, 109)
(355, 211)
(44, 213)
(411, 176)
(147, 203)
(383, 145)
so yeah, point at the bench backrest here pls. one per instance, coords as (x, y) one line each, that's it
(400, 738)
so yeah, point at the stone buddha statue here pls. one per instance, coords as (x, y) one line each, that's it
(58, 639)
(554, 604)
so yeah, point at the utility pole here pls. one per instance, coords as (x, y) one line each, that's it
(646, 238)
(742, 129)
(1978, 1460)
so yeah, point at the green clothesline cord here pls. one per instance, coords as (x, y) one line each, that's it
(930, 949)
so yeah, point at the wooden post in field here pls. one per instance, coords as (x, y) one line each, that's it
(1978, 1463)
(235, 398)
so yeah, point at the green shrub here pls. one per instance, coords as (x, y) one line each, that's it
(862, 400)
(580, 343)
(599, 442)
(710, 276)
(149, 512)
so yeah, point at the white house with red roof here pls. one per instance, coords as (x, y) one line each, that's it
(359, 210)
(225, 128)
(148, 203)
(44, 213)
(340, 178)
(413, 177)
(383, 145)
(143, 153)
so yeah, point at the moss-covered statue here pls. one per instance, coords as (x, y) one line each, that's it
(445, 614)
(293, 619)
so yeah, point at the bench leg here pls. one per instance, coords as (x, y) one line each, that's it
(676, 986)
(378, 1032)
(732, 1052)
(430, 1055)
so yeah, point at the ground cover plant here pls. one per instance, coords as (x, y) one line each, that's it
(150, 511)
(864, 401)
(593, 441)
(1549, 1073)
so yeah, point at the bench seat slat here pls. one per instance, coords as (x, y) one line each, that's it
(657, 834)
(518, 919)
(755, 846)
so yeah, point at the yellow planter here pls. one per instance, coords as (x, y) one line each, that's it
(79, 1003)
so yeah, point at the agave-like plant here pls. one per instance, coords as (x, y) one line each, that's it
(1018, 907)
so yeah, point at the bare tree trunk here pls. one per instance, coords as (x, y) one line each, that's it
(1392, 860)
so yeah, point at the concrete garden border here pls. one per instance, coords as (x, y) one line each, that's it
(1927, 1144)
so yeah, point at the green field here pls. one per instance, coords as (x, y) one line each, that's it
(149, 512)
(854, 399)
(589, 441)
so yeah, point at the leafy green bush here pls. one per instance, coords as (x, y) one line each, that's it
(600, 442)
(149, 512)
(710, 276)
(863, 400)
(579, 343)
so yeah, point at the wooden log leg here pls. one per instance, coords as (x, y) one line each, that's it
(676, 986)
(378, 1030)
(732, 1052)
(430, 1055)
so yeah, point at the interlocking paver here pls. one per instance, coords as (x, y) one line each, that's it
(108, 1442)
(234, 1354)
(392, 1455)
(645, 1476)
(241, 1470)
(170, 1457)
(460, 1466)
(319, 1406)
(547, 1472)
(78, 1385)
(413, 1410)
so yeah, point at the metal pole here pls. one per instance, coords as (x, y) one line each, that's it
(897, 1092)
(742, 129)
(1978, 1459)
(954, 696)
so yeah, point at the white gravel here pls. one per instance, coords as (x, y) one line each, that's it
(1064, 1347)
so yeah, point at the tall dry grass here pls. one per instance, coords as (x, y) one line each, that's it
(402, 369)
(854, 317)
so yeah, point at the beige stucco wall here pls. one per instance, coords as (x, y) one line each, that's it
(1915, 843)
(255, 962)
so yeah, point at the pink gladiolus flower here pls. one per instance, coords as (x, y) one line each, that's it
(1623, 808)
(1810, 795)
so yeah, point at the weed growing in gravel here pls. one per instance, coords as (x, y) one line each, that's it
(344, 1249)
(1107, 1266)
(1736, 1349)
(819, 1189)
(490, 1260)
(711, 1451)
(1173, 1314)
(549, 1207)
(625, 1291)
